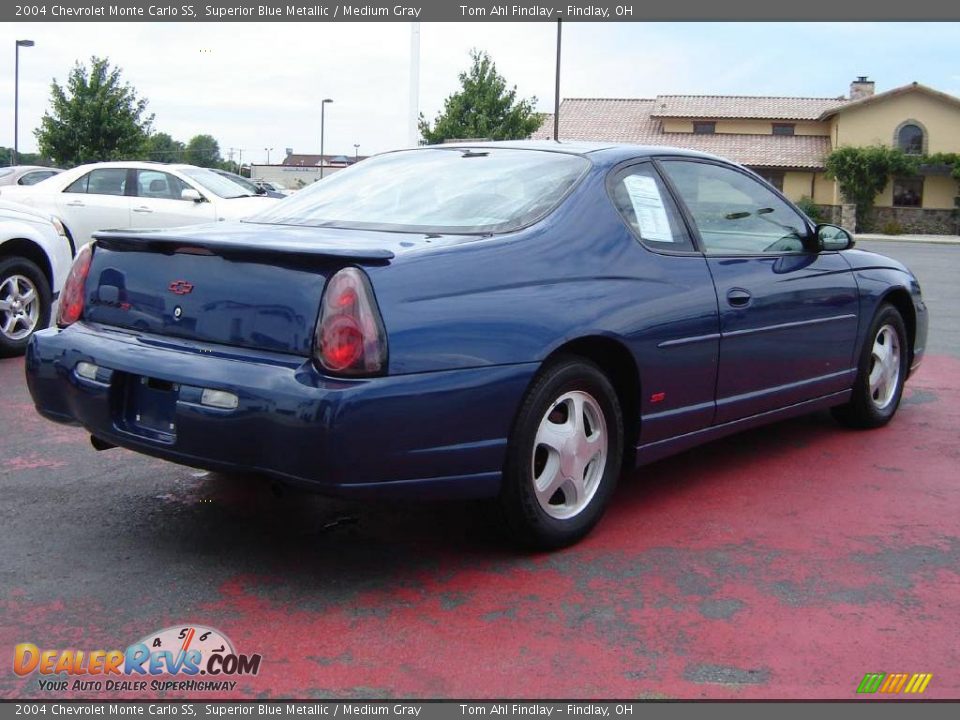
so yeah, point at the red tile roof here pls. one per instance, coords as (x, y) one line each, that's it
(628, 120)
(709, 107)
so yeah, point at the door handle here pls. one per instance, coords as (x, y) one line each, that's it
(75, 203)
(738, 297)
(142, 209)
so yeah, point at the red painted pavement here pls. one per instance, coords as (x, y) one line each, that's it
(782, 563)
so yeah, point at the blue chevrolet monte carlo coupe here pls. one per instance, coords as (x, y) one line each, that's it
(519, 321)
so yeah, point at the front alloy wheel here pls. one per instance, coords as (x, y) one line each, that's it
(884, 367)
(19, 307)
(881, 372)
(24, 304)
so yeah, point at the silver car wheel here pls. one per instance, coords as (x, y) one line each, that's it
(569, 454)
(19, 307)
(884, 367)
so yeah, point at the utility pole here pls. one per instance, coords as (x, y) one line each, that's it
(556, 94)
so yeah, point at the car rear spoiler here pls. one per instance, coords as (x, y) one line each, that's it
(169, 242)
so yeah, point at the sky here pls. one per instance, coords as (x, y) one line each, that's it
(255, 86)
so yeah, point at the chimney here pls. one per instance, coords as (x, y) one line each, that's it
(861, 88)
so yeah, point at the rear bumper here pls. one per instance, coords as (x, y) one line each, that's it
(440, 434)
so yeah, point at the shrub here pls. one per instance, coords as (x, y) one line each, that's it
(892, 227)
(810, 209)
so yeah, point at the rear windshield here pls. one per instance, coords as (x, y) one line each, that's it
(436, 190)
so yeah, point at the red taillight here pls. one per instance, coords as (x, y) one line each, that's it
(71, 298)
(350, 339)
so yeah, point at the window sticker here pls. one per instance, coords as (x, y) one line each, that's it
(649, 208)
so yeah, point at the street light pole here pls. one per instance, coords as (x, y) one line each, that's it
(356, 151)
(268, 154)
(323, 106)
(16, 95)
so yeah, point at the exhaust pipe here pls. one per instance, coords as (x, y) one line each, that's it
(99, 444)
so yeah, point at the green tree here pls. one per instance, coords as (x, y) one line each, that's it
(160, 147)
(95, 117)
(23, 158)
(204, 151)
(863, 172)
(483, 108)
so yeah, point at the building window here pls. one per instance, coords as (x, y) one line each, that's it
(774, 177)
(910, 138)
(908, 192)
(784, 129)
(704, 128)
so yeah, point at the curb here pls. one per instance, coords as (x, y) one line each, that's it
(913, 239)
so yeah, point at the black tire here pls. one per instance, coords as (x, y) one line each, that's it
(867, 408)
(530, 524)
(10, 345)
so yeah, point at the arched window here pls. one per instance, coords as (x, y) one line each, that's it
(910, 139)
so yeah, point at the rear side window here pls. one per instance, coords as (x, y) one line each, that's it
(34, 177)
(642, 199)
(105, 181)
(79, 185)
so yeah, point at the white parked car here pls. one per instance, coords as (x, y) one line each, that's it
(141, 195)
(35, 258)
(26, 174)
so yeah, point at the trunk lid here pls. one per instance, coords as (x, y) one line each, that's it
(246, 286)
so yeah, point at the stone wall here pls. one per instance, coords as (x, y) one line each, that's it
(898, 220)
(829, 214)
(913, 220)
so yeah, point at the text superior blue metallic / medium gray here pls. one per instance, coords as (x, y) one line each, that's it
(499, 320)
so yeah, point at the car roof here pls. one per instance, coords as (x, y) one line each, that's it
(29, 168)
(600, 153)
(138, 164)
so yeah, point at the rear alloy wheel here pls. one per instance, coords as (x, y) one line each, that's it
(24, 304)
(880, 374)
(564, 455)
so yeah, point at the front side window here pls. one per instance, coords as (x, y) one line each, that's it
(736, 214)
(908, 192)
(643, 201)
(159, 185)
(438, 189)
(910, 139)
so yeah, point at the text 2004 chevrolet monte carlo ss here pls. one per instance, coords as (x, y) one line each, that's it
(518, 321)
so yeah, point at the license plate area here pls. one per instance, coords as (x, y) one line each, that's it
(149, 408)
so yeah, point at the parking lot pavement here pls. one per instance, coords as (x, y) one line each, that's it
(786, 562)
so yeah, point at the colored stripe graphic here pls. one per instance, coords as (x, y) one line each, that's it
(870, 682)
(893, 683)
(918, 683)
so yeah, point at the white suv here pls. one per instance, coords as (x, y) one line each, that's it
(35, 258)
(140, 195)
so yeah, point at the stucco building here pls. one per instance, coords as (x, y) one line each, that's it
(786, 139)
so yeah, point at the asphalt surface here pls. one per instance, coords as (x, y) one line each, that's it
(786, 562)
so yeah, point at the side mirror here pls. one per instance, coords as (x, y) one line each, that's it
(191, 194)
(832, 237)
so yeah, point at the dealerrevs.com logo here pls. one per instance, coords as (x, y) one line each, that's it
(190, 657)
